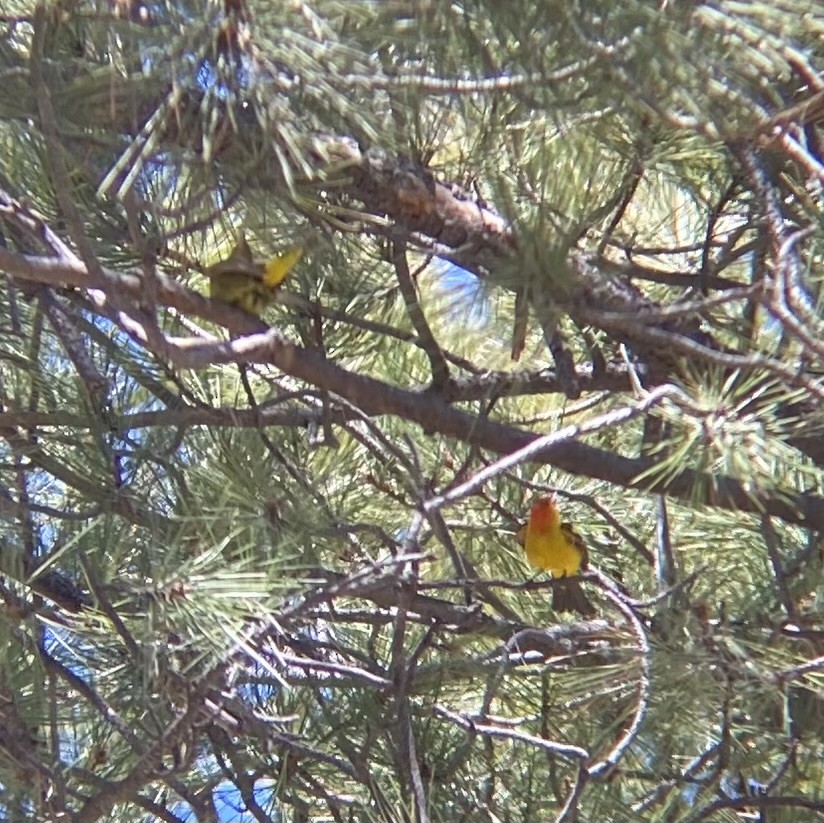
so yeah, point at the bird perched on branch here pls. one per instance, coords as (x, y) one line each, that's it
(241, 282)
(555, 547)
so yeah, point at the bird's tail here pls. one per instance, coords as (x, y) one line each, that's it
(568, 596)
(277, 269)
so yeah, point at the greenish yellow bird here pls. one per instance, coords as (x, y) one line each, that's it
(240, 281)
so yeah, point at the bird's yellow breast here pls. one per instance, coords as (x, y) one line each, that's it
(556, 551)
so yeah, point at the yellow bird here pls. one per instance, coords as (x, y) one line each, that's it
(555, 547)
(240, 281)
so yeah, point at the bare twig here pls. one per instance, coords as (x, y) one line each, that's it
(604, 767)
(437, 361)
(772, 543)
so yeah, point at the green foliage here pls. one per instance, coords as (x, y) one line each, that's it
(230, 563)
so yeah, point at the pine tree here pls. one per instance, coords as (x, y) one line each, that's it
(266, 568)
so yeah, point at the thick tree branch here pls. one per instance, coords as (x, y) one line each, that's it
(433, 414)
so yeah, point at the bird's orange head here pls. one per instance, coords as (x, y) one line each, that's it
(544, 514)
